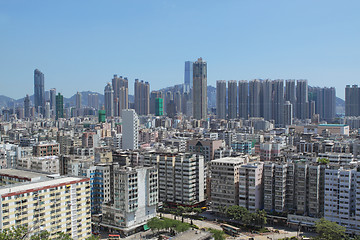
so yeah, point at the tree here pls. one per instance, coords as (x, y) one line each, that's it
(260, 218)
(63, 236)
(217, 234)
(236, 212)
(14, 233)
(329, 230)
(222, 209)
(188, 209)
(155, 224)
(93, 238)
(180, 210)
(197, 211)
(22, 232)
(41, 236)
(323, 160)
(248, 218)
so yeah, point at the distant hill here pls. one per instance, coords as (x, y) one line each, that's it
(340, 106)
(7, 101)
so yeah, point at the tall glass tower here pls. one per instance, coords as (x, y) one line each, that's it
(39, 92)
(188, 76)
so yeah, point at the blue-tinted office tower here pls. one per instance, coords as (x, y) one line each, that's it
(188, 77)
(39, 92)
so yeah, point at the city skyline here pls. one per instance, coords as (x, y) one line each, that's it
(316, 42)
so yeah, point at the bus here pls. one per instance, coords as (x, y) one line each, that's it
(231, 230)
(114, 237)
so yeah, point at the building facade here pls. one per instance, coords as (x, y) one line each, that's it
(200, 89)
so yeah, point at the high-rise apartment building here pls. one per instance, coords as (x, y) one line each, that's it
(200, 89)
(221, 99)
(352, 100)
(342, 191)
(93, 100)
(243, 99)
(178, 101)
(188, 76)
(288, 113)
(47, 110)
(302, 102)
(251, 186)
(325, 102)
(100, 182)
(135, 198)
(232, 99)
(290, 93)
(153, 96)
(278, 102)
(27, 106)
(142, 97)
(225, 174)
(254, 98)
(39, 92)
(266, 99)
(53, 99)
(181, 177)
(55, 205)
(295, 187)
(78, 100)
(59, 106)
(168, 98)
(120, 86)
(159, 107)
(109, 100)
(130, 126)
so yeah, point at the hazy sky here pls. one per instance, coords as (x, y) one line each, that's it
(79, 45)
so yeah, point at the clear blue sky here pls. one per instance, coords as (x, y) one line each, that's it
(79, 45)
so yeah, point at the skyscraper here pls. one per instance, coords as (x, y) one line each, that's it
(142, 97)
(254, 98)
(324, 100)
(121, 94)
(221, 99)
(288, 115)
(78, 100)
(352, 100)
(243, 99)
(47, 110)
(153, 96)
(278, 102)
(109, 100)
(168, 98)
(302, 102)
(232, 99)
(200, 89)
(59, 106)
(93, 100)
(159, 106)
(53, 99)
(266, 99)
(329, 103)
(39, 92)
(188, 76)
(130, 123)
(290, 94)
(178, 101)
(27, 106)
